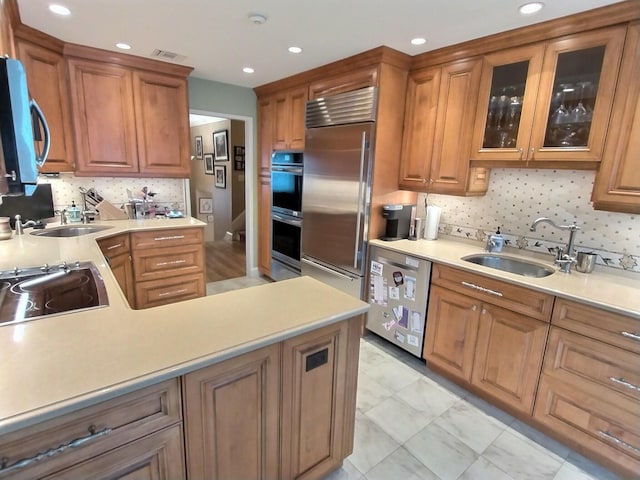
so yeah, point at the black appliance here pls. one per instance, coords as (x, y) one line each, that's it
(286, 183)
(286, 213)
(18, 117)
(36, 207)
(398, 221)
(29, 293)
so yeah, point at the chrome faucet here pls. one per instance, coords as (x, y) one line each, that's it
(21, 226)
(86, 215)
(564, 257)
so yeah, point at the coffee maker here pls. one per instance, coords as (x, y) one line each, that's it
(398, 221)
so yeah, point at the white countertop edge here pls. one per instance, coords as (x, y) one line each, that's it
(69, 405)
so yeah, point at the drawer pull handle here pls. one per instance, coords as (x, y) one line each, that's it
(25, 462)
(633, 335)
(173, 237)
(482, 289)
(621, 381)
(617, 441)
(114, 246)
(173, 292)
(172, 262)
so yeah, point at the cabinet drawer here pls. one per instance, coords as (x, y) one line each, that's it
(157, 263)
(169, 290)
(114, 246)
(607, 425)
(113, 423)
(519, 299)
(161, 453)
(612, 328)
(576, 359)
(166, 238)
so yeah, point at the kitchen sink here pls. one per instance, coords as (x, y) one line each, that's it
(510, 264)
(70, 231)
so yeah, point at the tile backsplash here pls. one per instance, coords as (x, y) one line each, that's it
(66, 188)
(516, 197)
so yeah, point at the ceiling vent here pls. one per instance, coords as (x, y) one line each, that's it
(167, 55)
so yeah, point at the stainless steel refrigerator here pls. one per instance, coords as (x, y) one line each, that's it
(336, 196)
(398, 294)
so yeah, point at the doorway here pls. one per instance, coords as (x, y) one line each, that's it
(222, 194)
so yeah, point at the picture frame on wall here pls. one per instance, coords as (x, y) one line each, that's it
(199, 147)
(205, 205)
(208, 163)
(238, 158)
(221, 176)
(220, 146)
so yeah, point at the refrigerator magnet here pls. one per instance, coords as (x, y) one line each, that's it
(416, 322)
(376, 268)
(413, 340)
(398, 278)
(394, 293)
(379, 290)
(397, 312)
(400, 337)
(410, 288)
(404, 319)
(389, 325)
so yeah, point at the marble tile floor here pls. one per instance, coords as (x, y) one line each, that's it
(214, 288)
(413, 424)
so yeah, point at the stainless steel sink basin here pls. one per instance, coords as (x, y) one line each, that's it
(70, 231)
(510, 264)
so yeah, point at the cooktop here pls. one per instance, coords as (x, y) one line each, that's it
(34, 292)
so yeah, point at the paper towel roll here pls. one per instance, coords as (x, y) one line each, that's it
(432, 222)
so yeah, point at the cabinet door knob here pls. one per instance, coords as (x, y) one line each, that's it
(484, 310)
(532, 150)
(474, 308)
(521, 150)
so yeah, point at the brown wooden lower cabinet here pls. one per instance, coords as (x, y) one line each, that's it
(285, 411)
(231, 417)
(508, 357)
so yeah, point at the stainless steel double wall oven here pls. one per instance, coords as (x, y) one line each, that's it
(286, 213)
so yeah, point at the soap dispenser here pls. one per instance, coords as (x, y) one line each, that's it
(496, 242)
(73, 213)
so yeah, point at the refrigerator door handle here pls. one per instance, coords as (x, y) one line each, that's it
(328, 270)
(360, 199)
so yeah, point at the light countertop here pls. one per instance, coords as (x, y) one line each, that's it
(607, 288)
(57, 364)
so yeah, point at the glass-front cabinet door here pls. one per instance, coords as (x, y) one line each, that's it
(577, 83)
(504, 118)
(548, 101)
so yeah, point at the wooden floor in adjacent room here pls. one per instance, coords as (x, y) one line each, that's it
(225, 259)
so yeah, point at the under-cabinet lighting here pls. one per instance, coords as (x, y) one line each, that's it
(59, 10)
(530, 8)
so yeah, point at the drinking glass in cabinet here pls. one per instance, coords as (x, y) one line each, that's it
(505, 105)
(573, 99)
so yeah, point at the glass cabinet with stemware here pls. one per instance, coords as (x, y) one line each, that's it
(548, 102)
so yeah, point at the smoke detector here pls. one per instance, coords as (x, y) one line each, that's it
(257, 18)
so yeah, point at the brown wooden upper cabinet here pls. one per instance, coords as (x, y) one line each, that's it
(440, 110)
(47, 80)
(354, 80)
(128, 122)
(288, 118)
(549, 101)
(617, 184)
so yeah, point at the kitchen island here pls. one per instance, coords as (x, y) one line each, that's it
(239, 365)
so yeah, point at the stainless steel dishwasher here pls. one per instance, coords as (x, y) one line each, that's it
(398, 294)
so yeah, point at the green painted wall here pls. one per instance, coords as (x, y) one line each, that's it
(221, 98)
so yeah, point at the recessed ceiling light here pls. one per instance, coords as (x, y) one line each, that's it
(59, 10)
(418, 41)
(248, 70)
(123, 46)
(530, 8)
(295, 50)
